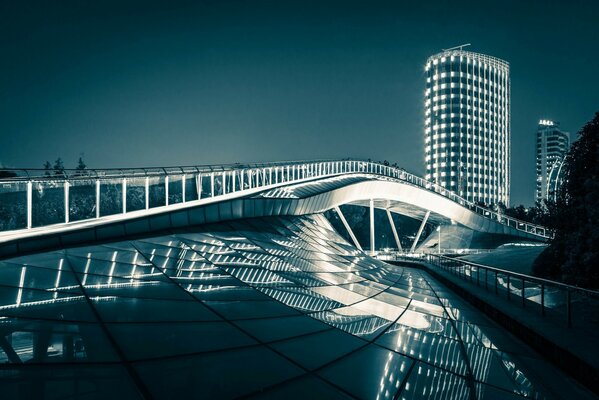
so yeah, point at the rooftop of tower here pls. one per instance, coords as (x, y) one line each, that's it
(459, 52)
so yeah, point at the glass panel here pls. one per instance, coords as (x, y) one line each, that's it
(228, 182)
(157, 191)
(218, 184)
(238, 174)
(54, 342)
(82, 200)
(111, 197)
(175, 189)
(68, 382)
(260, 177)
(315, 350)
(191, 187)
(206, 186)
(48, 203)
(211, 375)
(163, 340)
(13, 205)
(136, 194)
(370, 373)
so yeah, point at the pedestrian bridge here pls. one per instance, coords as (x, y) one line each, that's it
(41, 209)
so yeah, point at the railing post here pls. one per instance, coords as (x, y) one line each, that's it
(224, 182)
(166, 190)
(147, 192)
(198, 182)
(29, 204)
(508, 287)
(97, 198)
(486, 281)
(212, 184)
(495, 282)
(543, 299)
(66, 201)
(124, 194)
(183, 178)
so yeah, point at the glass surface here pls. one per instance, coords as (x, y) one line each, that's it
(136, 194)
(82, 199)
(218, 183)
(226, 374)
(206, 185)
(191, 187)
(175, 189)
(260, 308)
(13, 205)
(156, 192)
(111, 196)
(47, 203)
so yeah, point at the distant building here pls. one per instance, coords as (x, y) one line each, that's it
(467, 125)
(552, 147)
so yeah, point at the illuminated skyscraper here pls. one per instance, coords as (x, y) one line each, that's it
(552, 147)
(467, 125)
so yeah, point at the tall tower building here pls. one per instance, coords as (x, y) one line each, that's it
(467, 125)
(552, 147)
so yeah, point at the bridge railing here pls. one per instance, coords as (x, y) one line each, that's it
(565, 304)
(32, 198)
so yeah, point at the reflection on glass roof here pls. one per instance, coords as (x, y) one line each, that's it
(281, 308)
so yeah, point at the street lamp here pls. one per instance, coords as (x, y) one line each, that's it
(439, 245)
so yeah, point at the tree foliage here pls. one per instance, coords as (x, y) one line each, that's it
(81, 164)
(573, 255)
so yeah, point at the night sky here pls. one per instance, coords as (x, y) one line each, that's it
(147, 84)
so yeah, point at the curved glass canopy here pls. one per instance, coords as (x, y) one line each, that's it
(273, 307)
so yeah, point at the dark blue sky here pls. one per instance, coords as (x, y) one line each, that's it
(144, 84)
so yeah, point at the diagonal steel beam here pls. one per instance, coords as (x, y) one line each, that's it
(351, 233)
(420, 231)
(394, 230)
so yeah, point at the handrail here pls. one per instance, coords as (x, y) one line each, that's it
(301, 170)
(517, 274)
(555, 298)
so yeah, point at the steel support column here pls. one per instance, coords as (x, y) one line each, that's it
(420, 231)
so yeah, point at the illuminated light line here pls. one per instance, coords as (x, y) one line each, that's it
(21, 281)
(60, 263)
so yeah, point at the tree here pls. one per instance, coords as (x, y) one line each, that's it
(573, 255)
(58, 166)
(47, 167)
(81, 164)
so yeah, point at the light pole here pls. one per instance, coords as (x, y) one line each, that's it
(439, 245)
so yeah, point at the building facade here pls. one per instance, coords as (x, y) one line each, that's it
(467, 125)
(552, 146)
